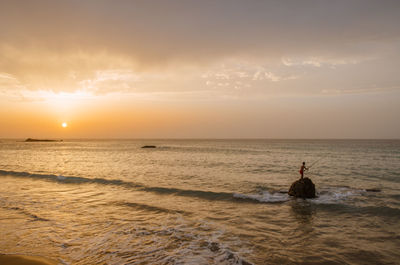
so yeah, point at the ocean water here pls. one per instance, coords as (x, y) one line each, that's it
(200, 201)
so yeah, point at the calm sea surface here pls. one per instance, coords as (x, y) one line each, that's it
(200, 201)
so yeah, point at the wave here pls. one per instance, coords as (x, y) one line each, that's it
(190, 245)
(265, 196)
(24, 212)
(341, 200)
(380, 211)
(373, 211)
(395, 196)
(207, 195)
(336, 194)
(328, 196)
(68, 179)
(150, 208)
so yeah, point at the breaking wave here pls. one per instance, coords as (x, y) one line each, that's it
(265, 196)
(206, 195)
(336, 195)
(331, 195)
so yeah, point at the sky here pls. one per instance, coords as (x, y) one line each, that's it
(200, 69)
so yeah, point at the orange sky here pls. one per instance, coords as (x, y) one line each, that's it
(199, 69)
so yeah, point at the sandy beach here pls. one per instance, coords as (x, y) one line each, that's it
(24, 260)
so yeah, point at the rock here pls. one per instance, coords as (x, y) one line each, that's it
(41, 140)
(214, 247)
(373, 190)
(302, 188)
(149, 146)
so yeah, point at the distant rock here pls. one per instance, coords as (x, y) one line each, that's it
(41, 140)
(214, 247)
(373, 190)
(149, 146)
(302, 188)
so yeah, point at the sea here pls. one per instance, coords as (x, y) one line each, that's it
(200, 201)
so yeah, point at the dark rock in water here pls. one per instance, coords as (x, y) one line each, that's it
(41, 140)
(214, 247)
(302, 188)
(373, 190)
(149, 146)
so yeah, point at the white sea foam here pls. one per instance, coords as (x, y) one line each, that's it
(60, 177)
(336, 195)
(326, 196)
(265, 196)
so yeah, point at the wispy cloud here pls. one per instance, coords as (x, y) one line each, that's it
(322, 62)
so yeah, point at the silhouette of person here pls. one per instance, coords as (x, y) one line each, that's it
(302, 169)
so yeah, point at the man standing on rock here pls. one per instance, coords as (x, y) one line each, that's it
(302, 169)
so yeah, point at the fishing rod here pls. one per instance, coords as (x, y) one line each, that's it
(316, 162)
(312, 164)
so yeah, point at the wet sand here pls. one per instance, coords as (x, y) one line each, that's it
(24, 260)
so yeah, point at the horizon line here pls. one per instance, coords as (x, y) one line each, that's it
(192, 138)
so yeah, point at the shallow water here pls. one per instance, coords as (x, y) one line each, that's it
(200, 201)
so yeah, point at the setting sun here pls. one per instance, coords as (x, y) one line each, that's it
(64, 125)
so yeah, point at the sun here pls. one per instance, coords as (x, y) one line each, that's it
(64, 125)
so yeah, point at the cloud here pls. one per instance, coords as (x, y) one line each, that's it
(107, 46)
(320, 61)
(245, 77)
(154, 32)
